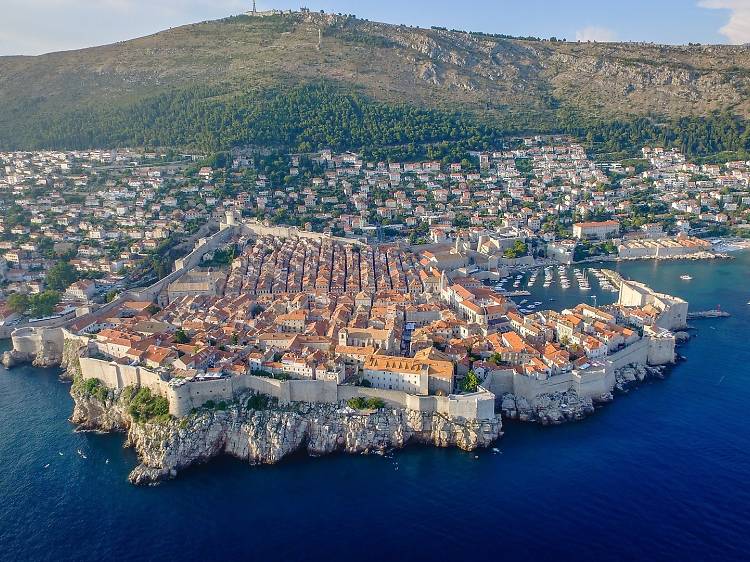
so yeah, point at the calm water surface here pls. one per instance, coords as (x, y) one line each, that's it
(663, 473)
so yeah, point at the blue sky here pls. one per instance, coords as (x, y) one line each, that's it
(38, 26)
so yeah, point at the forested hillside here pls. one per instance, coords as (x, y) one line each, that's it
(385, 88)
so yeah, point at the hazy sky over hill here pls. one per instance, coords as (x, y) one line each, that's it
(38, 26)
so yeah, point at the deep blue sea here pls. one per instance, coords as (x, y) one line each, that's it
(662, 473)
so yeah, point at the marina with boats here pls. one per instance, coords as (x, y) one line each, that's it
(542, 284)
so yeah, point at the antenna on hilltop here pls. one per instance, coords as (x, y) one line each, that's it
(255, 10)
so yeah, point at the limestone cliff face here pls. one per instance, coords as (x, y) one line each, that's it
(73, 350)
(44, 358)
(47, 357)
(11, 358)
(94, 413)
(549, 409)
(561, 407)
(51, 349)
(267, 436)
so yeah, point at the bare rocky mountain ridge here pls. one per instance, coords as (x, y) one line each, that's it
(498, 78)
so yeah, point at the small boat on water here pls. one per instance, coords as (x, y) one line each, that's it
(685, 277)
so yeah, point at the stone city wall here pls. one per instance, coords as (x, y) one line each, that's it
(588, 383)
(117, 376)
(661, 350)
(42, 340)
(204, 246)
(185, 396)
(393, 398)
(153, 292)
(258, 230)
(636, 353)
(592, 382)
(531, 388)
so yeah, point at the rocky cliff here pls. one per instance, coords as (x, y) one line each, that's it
(11, 358)
(43, 358)
(49, 354)
(561, 407)
(265, 436)
(549, 409)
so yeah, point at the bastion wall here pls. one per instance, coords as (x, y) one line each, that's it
(592, 382)
(257, 230)
(155, 291)
(661, 350)
(185, 395)
(43, 340)
(634, 353)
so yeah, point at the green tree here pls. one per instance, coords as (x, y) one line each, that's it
(518, 250)
(180, 336)
(470, 382)
(145, 406)
(18, 303)
(43, 304)
(60, 276)
(362, 403)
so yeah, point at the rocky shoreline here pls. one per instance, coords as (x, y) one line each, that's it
(13, 358)
(633, 375)
(564, 407)
(46, 357)
(550, 409)
(266, 436)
